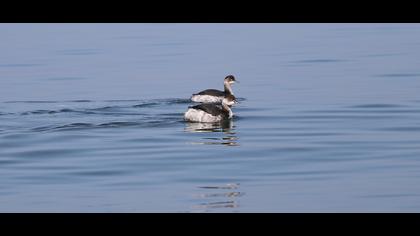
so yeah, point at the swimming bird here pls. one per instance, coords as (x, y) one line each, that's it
(211, 112)
(214, 95)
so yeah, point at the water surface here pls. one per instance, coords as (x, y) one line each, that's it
(91, 118)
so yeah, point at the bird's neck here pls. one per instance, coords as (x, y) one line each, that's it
(227, 108)
(228, 88)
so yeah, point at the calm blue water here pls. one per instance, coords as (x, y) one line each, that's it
(91, 118)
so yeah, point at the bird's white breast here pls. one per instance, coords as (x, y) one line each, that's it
(206, 99)
(196, 115)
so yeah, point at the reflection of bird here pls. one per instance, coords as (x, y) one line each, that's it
(209, 112)
(198, 127)
(219, 199)
(229, 135)
(214, 95)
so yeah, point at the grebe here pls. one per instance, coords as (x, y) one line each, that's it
(214, 95)
(210, 112)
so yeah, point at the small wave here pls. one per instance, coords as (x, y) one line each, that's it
(118, 124)
(62, 127)
(180, 101)
(42, 128)
(154, 101)
(365, 111)
(318, 61)
(78, 52)
(74, 126)
(123, 100)
(40, 112)
(20, 65)
(227, 186)
(382, 55)
(113, 124)
(82, 100)
(100, 110)
(222, 204)
(402, 129)
(379, 105)
(173, 101)
(105, 108)
(147, 104)
(65, 78)
(399, 75)
(172, 114)
(157, 102)
(104, 173)
(256, 109)
(31, 102)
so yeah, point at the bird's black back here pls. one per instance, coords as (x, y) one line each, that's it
(212, 92)
(210, 108)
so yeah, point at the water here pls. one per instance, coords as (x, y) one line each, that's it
(91, 118)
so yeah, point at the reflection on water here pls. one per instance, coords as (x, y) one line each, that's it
(225, 197)
(226, 128)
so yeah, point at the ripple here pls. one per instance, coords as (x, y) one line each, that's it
(227, 186)
(383, 55)
(222, 204)
(145, 123)
(318, 61)
(402, 129)
(365, 111)
(251, 109)
(122, 100)
(323, 117)
(46, 153)
(173, 114)
(310, 134)
(174, 101)
(399, 75)
(295, 149)
(99, 173)
(167, 101)
(8, 162)
(147, 104)
(82, 100)
(105, 108)
(118, 124)
(308, 175)
(20, 65)
(228, 194)
(377, 105)
(31, 102)
(73, 126)
(65, 78)
(157, 102)
(78, 52)
(397, 195)
(40, 112)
